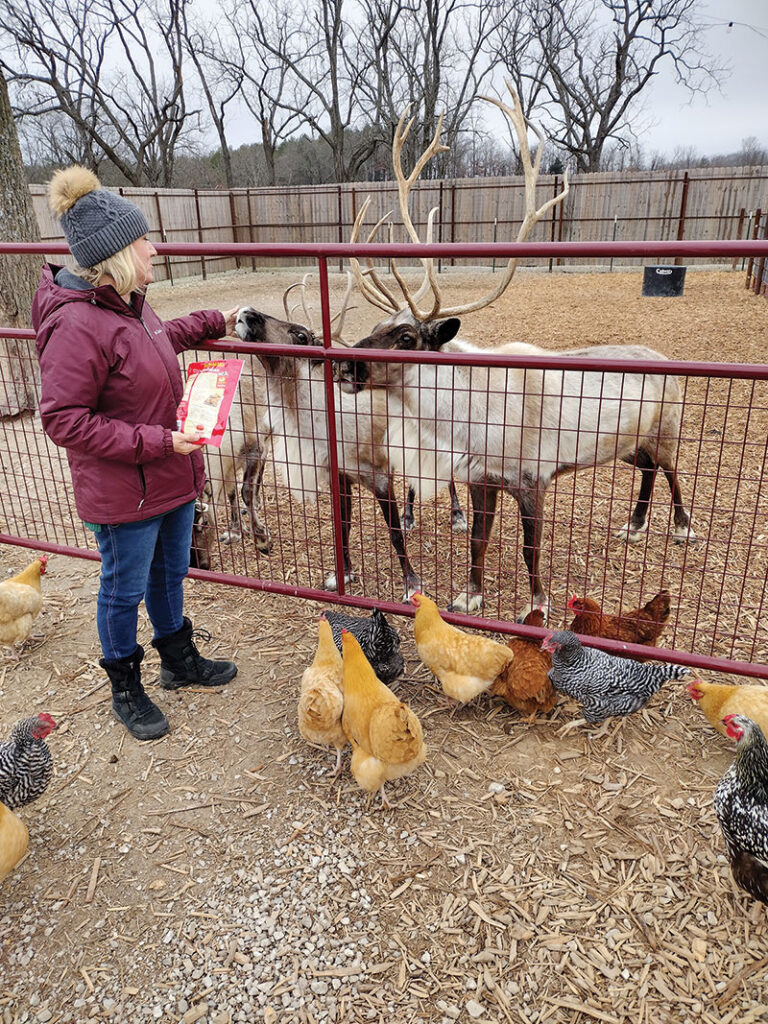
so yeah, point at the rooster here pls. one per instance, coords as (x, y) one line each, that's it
(465, 664)
(525, 683)
(386, 737)
(741, 805)
(26, 765)
(718, 700)
(380, 641)
(20, 602)
(13, 840)
(322, 697)
(604, 684)
(639, 626)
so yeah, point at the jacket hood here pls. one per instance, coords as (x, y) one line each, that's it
(51, 295)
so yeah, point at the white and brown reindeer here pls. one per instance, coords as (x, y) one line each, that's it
(509, 428)
(297, 422)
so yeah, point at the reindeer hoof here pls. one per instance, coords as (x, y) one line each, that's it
(542, 603)
(466, 602)
(263, 546)
(231, 537)
(684, 535)
(332, 584)
(408, 523)
(459, 522)
(631, 534)
(413, 586)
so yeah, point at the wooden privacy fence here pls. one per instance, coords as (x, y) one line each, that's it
(757, 267)
(717, 584)
(654, 205)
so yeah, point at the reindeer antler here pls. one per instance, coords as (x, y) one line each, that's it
(337, 321)
(377, 293)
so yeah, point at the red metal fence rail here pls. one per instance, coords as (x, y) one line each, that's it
(717, 584)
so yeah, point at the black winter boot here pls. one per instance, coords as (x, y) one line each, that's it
(181, 664)
(130, 704)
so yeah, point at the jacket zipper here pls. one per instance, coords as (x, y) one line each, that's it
(143, 482)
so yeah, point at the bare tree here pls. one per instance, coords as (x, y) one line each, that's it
(18, 274)
(96, 63)
(588, 62)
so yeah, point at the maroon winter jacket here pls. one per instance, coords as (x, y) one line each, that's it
(111, 383)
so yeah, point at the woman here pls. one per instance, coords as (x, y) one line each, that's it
(111, 383)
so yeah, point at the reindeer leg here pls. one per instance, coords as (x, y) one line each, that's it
(250, 492)
(408, 519)
(345, 501)
(458, 519)
(388, 505)
(483, 497)
(683, 532)
(637, 526)
(530, 500)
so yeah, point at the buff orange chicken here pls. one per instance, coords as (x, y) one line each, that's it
(13, 840)
(466, 664)
(386, 737)
(322, 696)
(20, 602)
(718, 701)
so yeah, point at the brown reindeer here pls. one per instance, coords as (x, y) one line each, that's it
(297, 424)
(509, 428)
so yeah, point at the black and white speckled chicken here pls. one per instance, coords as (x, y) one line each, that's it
(380, 642)
(606, 686)
(741, 805)
(26, 765)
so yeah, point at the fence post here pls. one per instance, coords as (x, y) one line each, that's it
(341, 228)
(250, 226)
(333, 451)
(200, 233)
(742, 215)
(163, 235)
(757, 287)
(233, 216)
(440, 226)
(554, 217)
(681, 220)
(755, 228)
(453, 218)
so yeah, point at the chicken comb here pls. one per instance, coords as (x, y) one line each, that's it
(570, 605)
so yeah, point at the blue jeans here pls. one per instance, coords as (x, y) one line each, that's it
(147, 559)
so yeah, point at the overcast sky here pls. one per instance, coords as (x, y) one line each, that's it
(718, 123)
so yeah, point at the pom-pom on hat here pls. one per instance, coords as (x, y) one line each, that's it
(96, 223)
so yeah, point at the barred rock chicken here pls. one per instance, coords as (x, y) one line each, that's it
(386, 737)
(466, 664)
(524, 683)
(322, 697)
(639, 626)
(26, 765)
(379, 640)
(604, 684)
(718, 700)
(13, 840)
(20, 602)
(741, 805)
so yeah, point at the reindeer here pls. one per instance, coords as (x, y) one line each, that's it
(509, 428)
(296, 420)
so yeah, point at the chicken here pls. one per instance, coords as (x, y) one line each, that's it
(13, 840)
(604, 684)
(639, 626)
(26, 765)
(21, 599)
(380, 642)
(741, 806)
(465, 664)
(322, 697)
(524, 683)
(386, 737)
(717, 701)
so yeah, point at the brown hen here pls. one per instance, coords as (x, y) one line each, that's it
(524, 683)
(640, 626)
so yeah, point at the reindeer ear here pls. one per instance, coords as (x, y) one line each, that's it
(439, 332)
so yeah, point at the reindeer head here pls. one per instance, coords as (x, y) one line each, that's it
(355, 374)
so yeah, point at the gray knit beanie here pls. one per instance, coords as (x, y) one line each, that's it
(96, 223)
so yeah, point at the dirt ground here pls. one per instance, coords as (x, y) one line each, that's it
(522, 875)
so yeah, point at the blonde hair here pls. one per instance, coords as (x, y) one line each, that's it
(120, 267)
